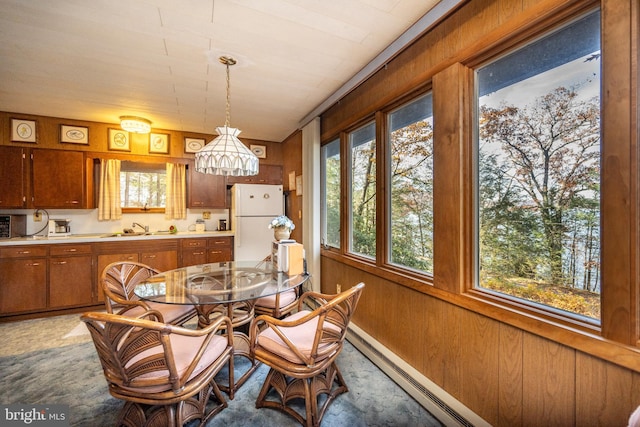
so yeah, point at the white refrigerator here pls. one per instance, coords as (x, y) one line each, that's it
(253, 206)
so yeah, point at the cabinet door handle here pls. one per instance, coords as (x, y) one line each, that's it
(194, 244)
(198, 253)
(72, 202)
(71, 250)
(216, 252)
(33, 264)
(60, 262)
(150, 256)
(24, 252)
(129, 258)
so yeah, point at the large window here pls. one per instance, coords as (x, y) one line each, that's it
(539, 171)
(410, 174)
(362, 145)
(330, 171)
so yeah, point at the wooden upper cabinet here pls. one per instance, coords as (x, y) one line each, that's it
(58, 179)
(267, 174)
(206, 191)
(13, 176)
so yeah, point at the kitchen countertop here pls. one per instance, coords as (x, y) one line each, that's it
(109, 237)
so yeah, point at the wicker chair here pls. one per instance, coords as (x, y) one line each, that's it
(301, 351)
(279, 305)
(165, 373)
(118, 281)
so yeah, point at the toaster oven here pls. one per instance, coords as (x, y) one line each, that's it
(12, 226)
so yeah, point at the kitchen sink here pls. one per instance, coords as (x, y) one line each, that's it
(141, 233)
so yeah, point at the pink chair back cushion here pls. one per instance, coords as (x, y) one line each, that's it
(170, 312)
(286, 298)
(184, 350)
(301, 337)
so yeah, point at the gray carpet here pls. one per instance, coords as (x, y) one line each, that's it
(71, 374)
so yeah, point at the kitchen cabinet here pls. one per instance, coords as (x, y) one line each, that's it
(58, 179)
(159, 254)
(267, 174)
(205, 250)
(206, 191)
(220, 249)
(13, 177)
(23, 287)
(70, 275)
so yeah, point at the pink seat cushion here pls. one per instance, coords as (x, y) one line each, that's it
(170, 312)
(184, 350)
(301, 336)
(286, 298)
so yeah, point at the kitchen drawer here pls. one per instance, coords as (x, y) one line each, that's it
(63, 250)
(23, 251)
(193, 243)
(220, 242)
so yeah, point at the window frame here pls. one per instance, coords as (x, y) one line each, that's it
(473, 289)
(323, 192)
(347, 242)
(385, 143)
(618, 337)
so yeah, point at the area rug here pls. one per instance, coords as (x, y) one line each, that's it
(71, 375)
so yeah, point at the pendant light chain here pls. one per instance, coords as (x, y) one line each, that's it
(228, 107)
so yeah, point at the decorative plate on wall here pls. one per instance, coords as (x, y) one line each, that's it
(259, 150)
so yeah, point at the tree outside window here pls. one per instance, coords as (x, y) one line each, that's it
(362, 144)
(539, 171)
(410, 148)
(330, 155)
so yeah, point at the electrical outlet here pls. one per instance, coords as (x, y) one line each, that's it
(338, 288)
(206, 215)
(37, 216)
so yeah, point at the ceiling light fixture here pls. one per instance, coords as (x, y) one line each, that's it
(226, 154)
(135, 124)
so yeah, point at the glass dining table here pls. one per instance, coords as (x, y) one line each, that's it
(230, 288)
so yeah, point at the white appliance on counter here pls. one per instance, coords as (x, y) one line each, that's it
(253, 206)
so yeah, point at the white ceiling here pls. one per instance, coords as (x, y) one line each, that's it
(99, 59)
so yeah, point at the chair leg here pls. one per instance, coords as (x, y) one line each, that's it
(330, 382)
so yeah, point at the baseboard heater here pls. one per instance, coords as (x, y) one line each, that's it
(432, 397)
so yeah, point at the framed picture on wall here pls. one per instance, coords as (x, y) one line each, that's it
(74, 134)
(119, 140)
(159, 143)
(259, 150)
(23, 130)
(193, 145)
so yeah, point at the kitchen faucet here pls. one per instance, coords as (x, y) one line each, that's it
(144, 227)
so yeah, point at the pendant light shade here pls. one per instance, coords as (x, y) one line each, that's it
(226, 154)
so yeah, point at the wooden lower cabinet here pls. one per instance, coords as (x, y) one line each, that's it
(159, 254)
(23, 279)
(220, 249)
(205, 250)
(70, 275)
(40, 278)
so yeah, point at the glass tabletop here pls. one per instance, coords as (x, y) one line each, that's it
(216, 283)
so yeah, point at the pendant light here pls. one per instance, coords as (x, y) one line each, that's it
(226, 155)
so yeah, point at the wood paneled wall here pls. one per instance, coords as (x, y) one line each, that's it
(48, 136)
(512, 370)
(506, 375)
(292, 163)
